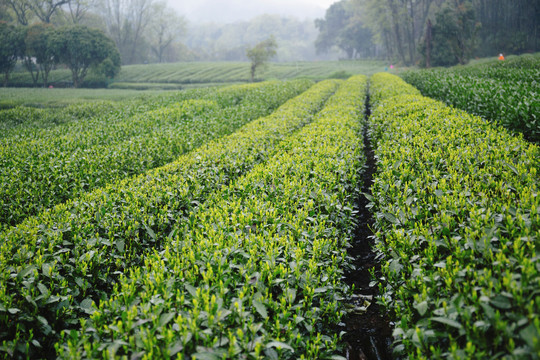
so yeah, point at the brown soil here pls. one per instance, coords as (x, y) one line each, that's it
(368, 333)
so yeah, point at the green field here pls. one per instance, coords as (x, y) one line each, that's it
(174, 76)
(58, 97)
(215, 222)
(505, 92)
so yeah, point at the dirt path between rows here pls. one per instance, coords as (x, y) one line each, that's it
(368, 331)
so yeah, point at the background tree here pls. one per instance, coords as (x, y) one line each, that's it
(344, 28)
(79, 48)
(218, 42)
(27, 55)
(510, 27)
(330, 28)
(126, 22)
(78, 10)
(261, 53)
(38, 49)
(165, 28)
(11, 46)
(21, 9)
(45, 9)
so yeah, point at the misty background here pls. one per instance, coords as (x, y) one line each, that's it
(408, 32)
(234, 10)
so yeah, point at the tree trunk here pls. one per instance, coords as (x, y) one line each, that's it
(428, 44)
(253, 68)
(29, 64)
(45, 69)
(397, 31)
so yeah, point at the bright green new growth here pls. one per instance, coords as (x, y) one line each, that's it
(54, 265)
(42, 167)
(457, 211)
(256, 270)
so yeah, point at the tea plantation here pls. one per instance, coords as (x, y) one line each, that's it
(215, 223)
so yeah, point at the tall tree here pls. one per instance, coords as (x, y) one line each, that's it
(38, 49)
(45, 9)
(451, 39)
(398, 25)
(79, 48)
(508, 26)
(21, 9)
(330, 28)
(78, 9)
(165, 28)
(11, 45)
(344, 28)
(126, 22)
(261, 53)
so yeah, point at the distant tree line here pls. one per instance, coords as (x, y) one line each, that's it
(142, 30)
(41, 46)
(430, 32)
(229, 42)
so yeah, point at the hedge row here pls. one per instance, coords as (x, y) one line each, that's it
(37, 174)
(509, 97)
(457, 210)
(256, 271)
(53, 266)
(30, 122)
(42, 122)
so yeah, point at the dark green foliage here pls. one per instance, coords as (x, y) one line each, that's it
(453, 36)
(509, 27)
(79, 48)
(505, 92)
(11, 46)
(104, 233)
(457, 219)
(38, 49)
(261, 53)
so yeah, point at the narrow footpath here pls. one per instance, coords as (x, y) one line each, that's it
(368, 333)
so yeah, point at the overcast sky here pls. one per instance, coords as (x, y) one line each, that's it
(225, 11)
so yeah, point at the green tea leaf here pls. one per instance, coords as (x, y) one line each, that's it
(279, 345)
(390, 217)
(86, 304)
(166, 318)
(120, 245)
(421, 308)
(261, 308)
(205, 356)
(27, 270)
(530, 335)
(501, 302)
(447, 321)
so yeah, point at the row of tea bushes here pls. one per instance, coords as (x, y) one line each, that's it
(30, 120)
(38, 174)
(508, 96)
(50, 122)
(55, 265)
(256, 271)
(34, 123)
(103, 126)
(457, 209)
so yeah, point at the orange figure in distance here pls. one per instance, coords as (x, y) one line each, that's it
(501, 57)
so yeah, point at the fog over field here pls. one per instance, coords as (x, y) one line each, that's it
(233, 10)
